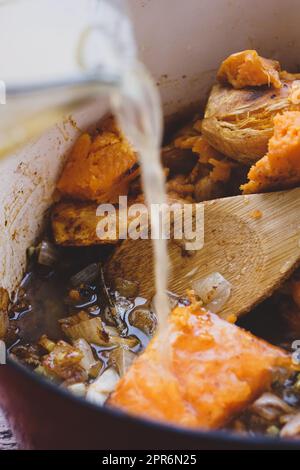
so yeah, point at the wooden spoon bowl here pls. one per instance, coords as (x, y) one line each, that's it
(253, 241)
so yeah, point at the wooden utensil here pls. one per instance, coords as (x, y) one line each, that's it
(253, 241)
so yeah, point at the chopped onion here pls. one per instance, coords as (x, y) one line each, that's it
(122, 359)
(214, 291)
(143, 319)
(86, 275)
(127, 342)
(63, 362)
(47, 254)
(80, 326)
(270, 407)
(78, 389)
(99, 390)
(88, 362)
(292, 428)
(91, 330)
(273, 430)
(283, 419)
(46, 343)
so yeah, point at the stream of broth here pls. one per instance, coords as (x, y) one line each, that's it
(139, 112)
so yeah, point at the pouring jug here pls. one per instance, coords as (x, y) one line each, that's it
(56, 55)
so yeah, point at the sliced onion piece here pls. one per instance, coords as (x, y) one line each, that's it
(292, 428)
(270, 406)
(103, 386)
(214, 291)
(143, 319)
(88, 362)
(92, 330)
(78, 389)
(121, 359)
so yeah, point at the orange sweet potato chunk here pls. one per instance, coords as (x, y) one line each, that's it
(100, 169)
(215, 369)
(280, 167)
(247, 68)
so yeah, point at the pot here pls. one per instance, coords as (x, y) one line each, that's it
(182, 45)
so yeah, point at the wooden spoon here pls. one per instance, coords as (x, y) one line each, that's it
(253, 241)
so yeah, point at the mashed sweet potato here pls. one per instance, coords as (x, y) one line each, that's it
(216, 369)
(99, 169)
(247, 68)
(280, 167)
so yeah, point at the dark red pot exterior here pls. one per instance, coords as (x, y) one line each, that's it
(43, 418)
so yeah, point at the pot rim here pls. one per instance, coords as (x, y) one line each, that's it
(221, 436)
